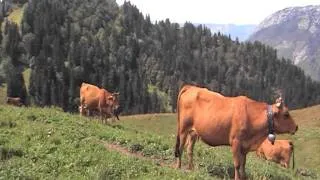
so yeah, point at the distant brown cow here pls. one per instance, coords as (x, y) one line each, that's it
(92, 98)
(16, 101)
(280, 152)
(239, 122)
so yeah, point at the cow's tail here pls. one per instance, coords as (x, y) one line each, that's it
(182, 90)
(291, 145)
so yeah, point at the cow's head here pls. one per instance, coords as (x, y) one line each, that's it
(113, 102)
(283, 122)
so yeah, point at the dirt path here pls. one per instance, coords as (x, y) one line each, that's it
(125, 151)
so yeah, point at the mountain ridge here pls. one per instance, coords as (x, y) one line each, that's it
(295, 33)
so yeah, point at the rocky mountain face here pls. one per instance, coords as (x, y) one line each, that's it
(295, 33)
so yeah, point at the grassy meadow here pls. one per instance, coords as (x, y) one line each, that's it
(3, 93)
(46, 143)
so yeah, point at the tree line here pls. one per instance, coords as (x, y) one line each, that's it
(67, 42)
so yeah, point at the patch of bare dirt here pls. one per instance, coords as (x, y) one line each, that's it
(125, 151)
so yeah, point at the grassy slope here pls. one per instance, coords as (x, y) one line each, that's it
(307, 139)
(3, 93)
(49, 144)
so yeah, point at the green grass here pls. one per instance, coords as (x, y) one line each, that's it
(3, 93)
(49, 144)
(46, 143)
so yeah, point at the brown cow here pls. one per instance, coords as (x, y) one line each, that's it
(16, 101)
(239, 122)
(93, 98)
(280, 152)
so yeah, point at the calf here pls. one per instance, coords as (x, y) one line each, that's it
(280, 152)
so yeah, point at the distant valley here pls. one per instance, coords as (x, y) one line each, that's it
(241, 31)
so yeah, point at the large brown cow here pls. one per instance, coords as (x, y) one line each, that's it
(92, 98)
(16, 101)
(239, 122)
(280, 152)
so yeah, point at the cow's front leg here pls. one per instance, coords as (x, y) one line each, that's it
(243, 165)
(101, 116)
(239, 160)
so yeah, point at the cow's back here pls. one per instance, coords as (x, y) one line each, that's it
(207, 113)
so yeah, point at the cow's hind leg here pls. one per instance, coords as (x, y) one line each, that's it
(191, 139)
(181, 140)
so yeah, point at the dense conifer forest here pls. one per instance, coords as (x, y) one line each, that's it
(67, 42)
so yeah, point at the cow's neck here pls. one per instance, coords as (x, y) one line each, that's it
(257, 112)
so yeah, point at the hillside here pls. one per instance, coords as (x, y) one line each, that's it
(295, 33)
(65, 43)
(46, 143)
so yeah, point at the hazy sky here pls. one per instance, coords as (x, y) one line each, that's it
(214, 11)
